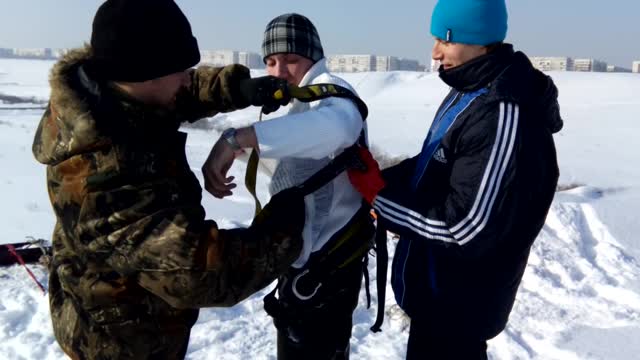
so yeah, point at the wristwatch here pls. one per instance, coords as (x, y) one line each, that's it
(229, 135)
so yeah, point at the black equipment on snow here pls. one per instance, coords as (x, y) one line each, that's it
(29, 251)
(24, 253)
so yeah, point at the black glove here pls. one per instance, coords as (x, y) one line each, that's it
(261, 91)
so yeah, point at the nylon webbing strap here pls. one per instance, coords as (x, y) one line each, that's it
(343, 247)
(382, 258)
(347, 159)
(317, 92)
(308, 94)
(250, 179)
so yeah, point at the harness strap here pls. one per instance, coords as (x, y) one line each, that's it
(250, 179)
(365, 271)
(348, 159)
(308, 94)
(316, 92)
(382, 258)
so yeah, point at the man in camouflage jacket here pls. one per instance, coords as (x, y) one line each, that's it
(133, 256)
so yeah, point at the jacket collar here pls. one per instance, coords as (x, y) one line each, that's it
(317, 69)
(479, 72)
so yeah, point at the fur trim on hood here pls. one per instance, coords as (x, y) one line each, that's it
(68, 127)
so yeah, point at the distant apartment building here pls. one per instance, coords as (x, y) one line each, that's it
(617, 69)
(219, 57)
(250, 60)
(30, 53)
(589, 65)
(408, 65)
(58, 53)
(386, 63)
(352, 63)
(564, 63)
(360, 63)
(560, 63)
(33, 53)
(228, 57)
(635, 67)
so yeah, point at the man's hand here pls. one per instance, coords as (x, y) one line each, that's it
(221, 158)
(216, 167)
(267, 91)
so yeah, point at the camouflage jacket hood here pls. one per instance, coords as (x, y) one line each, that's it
(71, 126)
(88, 115)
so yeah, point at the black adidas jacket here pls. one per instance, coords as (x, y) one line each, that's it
(469, 207)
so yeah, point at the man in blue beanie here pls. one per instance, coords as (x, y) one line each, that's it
(470, 205)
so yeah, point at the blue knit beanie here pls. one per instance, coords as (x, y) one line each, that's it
(473, 22)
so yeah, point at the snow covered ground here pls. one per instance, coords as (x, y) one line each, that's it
(580, 297)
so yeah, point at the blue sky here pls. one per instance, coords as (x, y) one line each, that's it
(607, 30)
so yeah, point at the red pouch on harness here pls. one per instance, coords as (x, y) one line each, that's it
(368, 182)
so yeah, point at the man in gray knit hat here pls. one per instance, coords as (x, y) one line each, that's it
(313, 317)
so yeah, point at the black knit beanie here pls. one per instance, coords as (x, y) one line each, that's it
(292, 34)
(139, 40)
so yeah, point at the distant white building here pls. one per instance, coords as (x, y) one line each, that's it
(367, 62)
(386, 63)
(351, 63)
(219, 57)
(4, 52)
(617, 69)
(635, 67)
(58, 53)
(408, 65)
(559, 63)
(435, 65)
(28, 53)
(250, 60)
(32, 53)
(227, 57)
(589, 65)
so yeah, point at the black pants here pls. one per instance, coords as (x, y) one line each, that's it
(322, 331)
(425, 344)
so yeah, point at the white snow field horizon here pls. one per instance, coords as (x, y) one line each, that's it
(580, 296)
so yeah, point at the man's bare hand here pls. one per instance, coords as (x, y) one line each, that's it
(215, 170)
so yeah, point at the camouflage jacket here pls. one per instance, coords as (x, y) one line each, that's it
(131, 242)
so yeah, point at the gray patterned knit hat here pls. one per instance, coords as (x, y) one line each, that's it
(292, 34)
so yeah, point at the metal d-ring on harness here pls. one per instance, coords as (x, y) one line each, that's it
(294, 287)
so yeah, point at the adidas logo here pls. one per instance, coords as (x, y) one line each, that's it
(439, 156)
